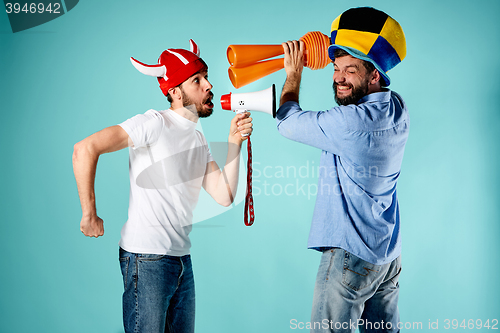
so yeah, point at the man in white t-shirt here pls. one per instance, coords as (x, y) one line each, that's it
(169, 163)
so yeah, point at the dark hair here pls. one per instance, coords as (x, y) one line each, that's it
(338, 53)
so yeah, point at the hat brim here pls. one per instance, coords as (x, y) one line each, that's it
(360, 55)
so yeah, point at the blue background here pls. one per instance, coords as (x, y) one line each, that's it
(71, 77)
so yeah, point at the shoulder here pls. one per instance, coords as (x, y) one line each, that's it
(201, 136)
(144, 128)
(382, 101)
(375, 112)
(398, 100)
(153, 116)
(150, 118)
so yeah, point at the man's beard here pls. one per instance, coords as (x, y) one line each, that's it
(356, 93)
(202, 113)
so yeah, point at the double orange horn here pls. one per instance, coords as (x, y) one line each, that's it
(248, 62)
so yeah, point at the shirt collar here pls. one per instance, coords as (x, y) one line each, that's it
(381, 96)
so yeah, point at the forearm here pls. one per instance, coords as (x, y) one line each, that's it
(294, 64)
(84, 168)
(222, 185)
(291, 88)
(227, 183)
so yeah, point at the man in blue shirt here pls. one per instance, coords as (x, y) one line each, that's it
(356, 220)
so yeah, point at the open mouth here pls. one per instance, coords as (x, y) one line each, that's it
(343, 89)
(208, 101)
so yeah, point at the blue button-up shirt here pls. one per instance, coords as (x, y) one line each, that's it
(362, 150)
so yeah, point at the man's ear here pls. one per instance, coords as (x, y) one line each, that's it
(375, 77)
(175, 93)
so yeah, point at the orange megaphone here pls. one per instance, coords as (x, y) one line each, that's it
(247, 65)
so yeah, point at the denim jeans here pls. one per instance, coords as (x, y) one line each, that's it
(351, 293)
(158, 293)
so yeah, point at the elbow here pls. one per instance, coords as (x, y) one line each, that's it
(284, 127)
(285, 131)
(227, 199)
(82, 150)
(77, 150)
(280, 127)
(226, 202)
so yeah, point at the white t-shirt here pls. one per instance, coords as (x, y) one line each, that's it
(168, 160)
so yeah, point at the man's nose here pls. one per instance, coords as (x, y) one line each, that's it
(338, 77)
(208, 85)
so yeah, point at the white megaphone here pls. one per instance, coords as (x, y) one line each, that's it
(263, 101)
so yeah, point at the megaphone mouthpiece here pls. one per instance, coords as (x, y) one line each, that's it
(225, 101)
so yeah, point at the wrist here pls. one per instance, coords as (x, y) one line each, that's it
(235, 140)
(294, 75)
(89, 213)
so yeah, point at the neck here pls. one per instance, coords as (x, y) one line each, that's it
(188, 112)
(373, 88)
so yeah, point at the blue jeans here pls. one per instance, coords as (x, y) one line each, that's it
(158, 293)
(351, 293)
